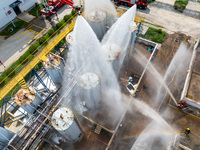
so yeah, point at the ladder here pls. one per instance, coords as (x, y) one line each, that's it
(98, 129)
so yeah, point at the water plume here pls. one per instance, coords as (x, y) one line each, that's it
(98, 88)
(117, 39)
(100, 14)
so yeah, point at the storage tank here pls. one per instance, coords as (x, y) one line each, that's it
(113, 52)
(90, 84)
(54, 68)
(69, 38)
(97, 21)
(63, 120)
(5, 137)
(28, 99)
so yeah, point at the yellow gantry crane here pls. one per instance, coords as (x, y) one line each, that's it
(19, 78)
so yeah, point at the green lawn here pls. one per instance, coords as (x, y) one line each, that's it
(180, 5)
(155, 35)
(8, 31)
(34, 11)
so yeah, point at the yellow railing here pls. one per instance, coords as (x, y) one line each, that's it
(19, 77)
(138, 17)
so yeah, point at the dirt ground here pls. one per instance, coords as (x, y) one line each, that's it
(134, 122)
(133, 125)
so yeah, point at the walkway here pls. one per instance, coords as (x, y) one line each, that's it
(188, 11)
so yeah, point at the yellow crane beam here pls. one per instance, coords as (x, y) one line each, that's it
(19, 77)
(138, 17)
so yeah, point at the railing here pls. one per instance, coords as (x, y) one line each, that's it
(40, 56)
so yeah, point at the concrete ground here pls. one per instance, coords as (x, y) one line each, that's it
(161, 12)
(13, 47)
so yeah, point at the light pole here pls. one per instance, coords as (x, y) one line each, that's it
(9, 17)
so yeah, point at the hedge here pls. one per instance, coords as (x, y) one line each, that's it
(51, 32)
(24, 58)
(34, 48)
(43, 39)
(155, 35)
(2, 81)
(10, 72)
(68, 17)
(60, 24)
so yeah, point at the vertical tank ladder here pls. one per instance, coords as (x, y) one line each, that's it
(23, 84)
(98, 129)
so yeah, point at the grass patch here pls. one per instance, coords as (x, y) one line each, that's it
(29, 55)
(34, 11)
(10, 29)
(149, 1)
(180, 5)
(153, 24)
(155, 35)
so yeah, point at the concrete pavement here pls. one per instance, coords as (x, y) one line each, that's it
(15, 46)
(172, 20)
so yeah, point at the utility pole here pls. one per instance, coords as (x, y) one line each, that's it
(9, 17)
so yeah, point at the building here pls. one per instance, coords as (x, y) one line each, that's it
(9, 9)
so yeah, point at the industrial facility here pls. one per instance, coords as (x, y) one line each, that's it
(106, 87)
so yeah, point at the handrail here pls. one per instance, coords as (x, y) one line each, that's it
(10, 85)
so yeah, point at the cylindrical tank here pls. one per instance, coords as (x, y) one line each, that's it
(91, 89)
(54, 68)
(113, 53)
(5, 137)
(69, 38)
(97, 21)
(63, 120)
(28, 99)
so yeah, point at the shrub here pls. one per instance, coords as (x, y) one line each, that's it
(156, 35)
(10, 71)
(24, 58)
(68, 17)
(180, 5)
(43, 39)
(59, 24)
(61, 43)
(55, 28)
(16, 65)
(51, 32)
(2, 81)
(34, 48)
(73, 12)
(30, 57)
(38, 66)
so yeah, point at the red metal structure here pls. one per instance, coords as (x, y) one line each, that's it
(52, 6)
(142, 4)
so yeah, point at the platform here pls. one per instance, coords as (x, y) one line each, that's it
(25, 17)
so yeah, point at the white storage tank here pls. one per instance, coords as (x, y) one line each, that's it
(28, 99)
(97, 21)
(5, 137)
(54, 68)
(113, 52)
(69, 38)
(90, 84)
(63, 120)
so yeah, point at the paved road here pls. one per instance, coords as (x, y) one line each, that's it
(172, 20)
(13, 47)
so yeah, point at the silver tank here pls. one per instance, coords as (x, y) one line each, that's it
(54, 68)
(5, 137)
(28, 99)
(97, 21)
(63, 120)
(90, 85)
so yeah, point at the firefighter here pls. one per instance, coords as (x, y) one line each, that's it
(187, 131)
(183, 103)
(180, 106)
